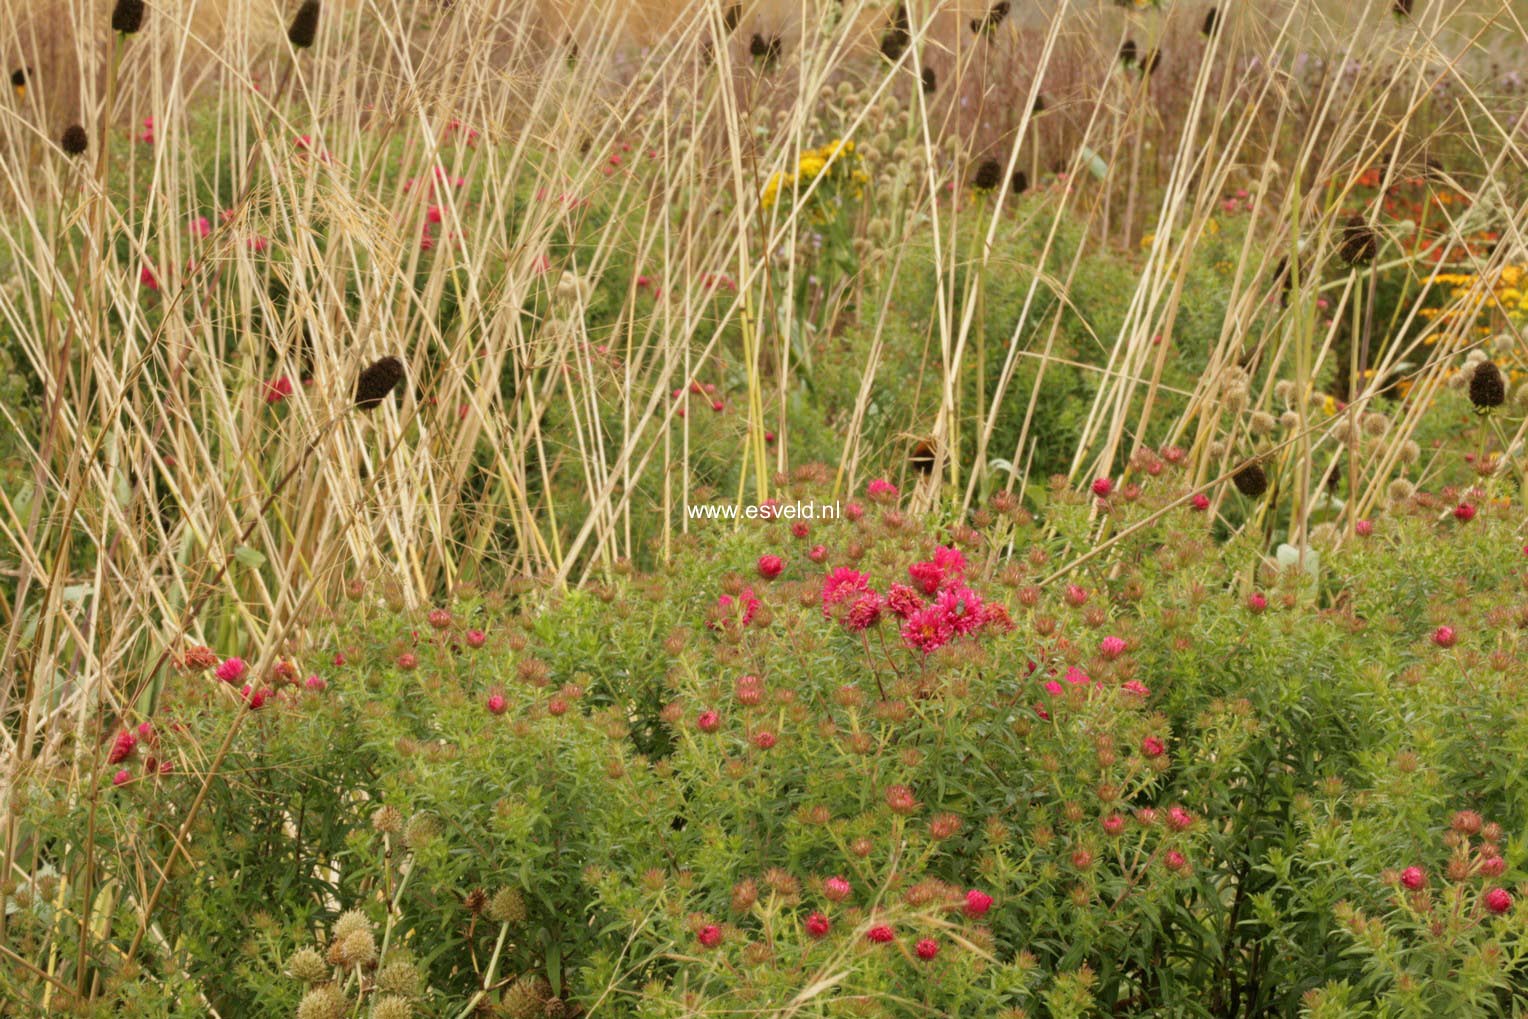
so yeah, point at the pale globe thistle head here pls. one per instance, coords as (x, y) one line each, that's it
(401, 977)
(1409, 452)
(1217, 449)
(1459, 379)
(1400, 490)
(1520, 395)
(1261, 422)
(307, 966)
(1474, 357)
(421, 830)
(349, 922)
(1503, 344)
(1342, 429)
(392, 1007)
(1323, 535)
(1284, 390)
(846, 90)
(387, 819)
(1290, 420)
(356, 949)
(507, 906)
(326, 1002)
(1235, 397)
(525, 998)
(1375, 424)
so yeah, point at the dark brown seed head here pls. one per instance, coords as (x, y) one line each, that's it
(19, 77)
(1020, 182)
(1251, 480)
(1488, 390)
(1039, 106)
(1127, 52)
(930, 81)
(1402, 7)
(74, 141)
(304, 27)
(1211, 23)
(989, 174)
(376, 381)
(731, 16)
(127, 16)
(1149, 65)
(894, 44)
(757, 46)
(922, 457)
(1359, 244)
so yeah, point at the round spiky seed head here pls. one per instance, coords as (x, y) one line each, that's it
(989, 174)
(376, 381)
(1488, 390)
(1289, 419)
(1284, 389)
(326, 1002)
(421, 830)
(392, 1007)
(475, 901)
(304, 27)
(555, 1008)
(358, 948)
(1376, 424)
(400, 977)
(349, 922)
(1359, 243)
(1400, 490)
(127, 16)
(1520, 395)
(507, 906)
(1410, 452)
(307, 966)
(1251, 480)
(525, 998)
(1261, 423)
(74, 140)
(387, 819)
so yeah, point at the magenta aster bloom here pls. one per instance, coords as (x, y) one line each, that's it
(882, 934)
(927, 630)
(843, 585)
(977, 903)
(903, 600)
(864, 613)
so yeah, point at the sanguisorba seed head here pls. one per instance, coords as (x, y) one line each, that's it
(1359, 243)
(304, 27)
(1488, 389)
(1127, 52)
(127, 16)
(989, 174)
(1020, 182)
(1251, 480)
(1211, 22)
(74, 140)
(930, 81)
(376, 381)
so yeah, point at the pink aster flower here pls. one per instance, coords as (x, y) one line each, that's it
(1111, 647)
(496, 704)
(962, 609)
(709, 936)
(123, 776)
(231, 670)
(708, 721)
(882, 934)
(122, 748)
(200, 227)
(817, 925)
(864, 613)
(927, 630)
(1445, 637)
(928, 576)
(1151, 746)
(1135, 687)
(977, 903)
(1102, 487)
(903, 600)
(842, 585)
(927, 948)
(1200, 502)
(1413, 878)
(1464, 512)
(881, 490)
(1498, 900)
(278, 389)
(836, 889)
(770, 566)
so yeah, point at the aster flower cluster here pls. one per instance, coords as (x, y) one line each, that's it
(935, 609)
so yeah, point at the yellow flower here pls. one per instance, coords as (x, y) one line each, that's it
(811, 165)
(772, 187)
